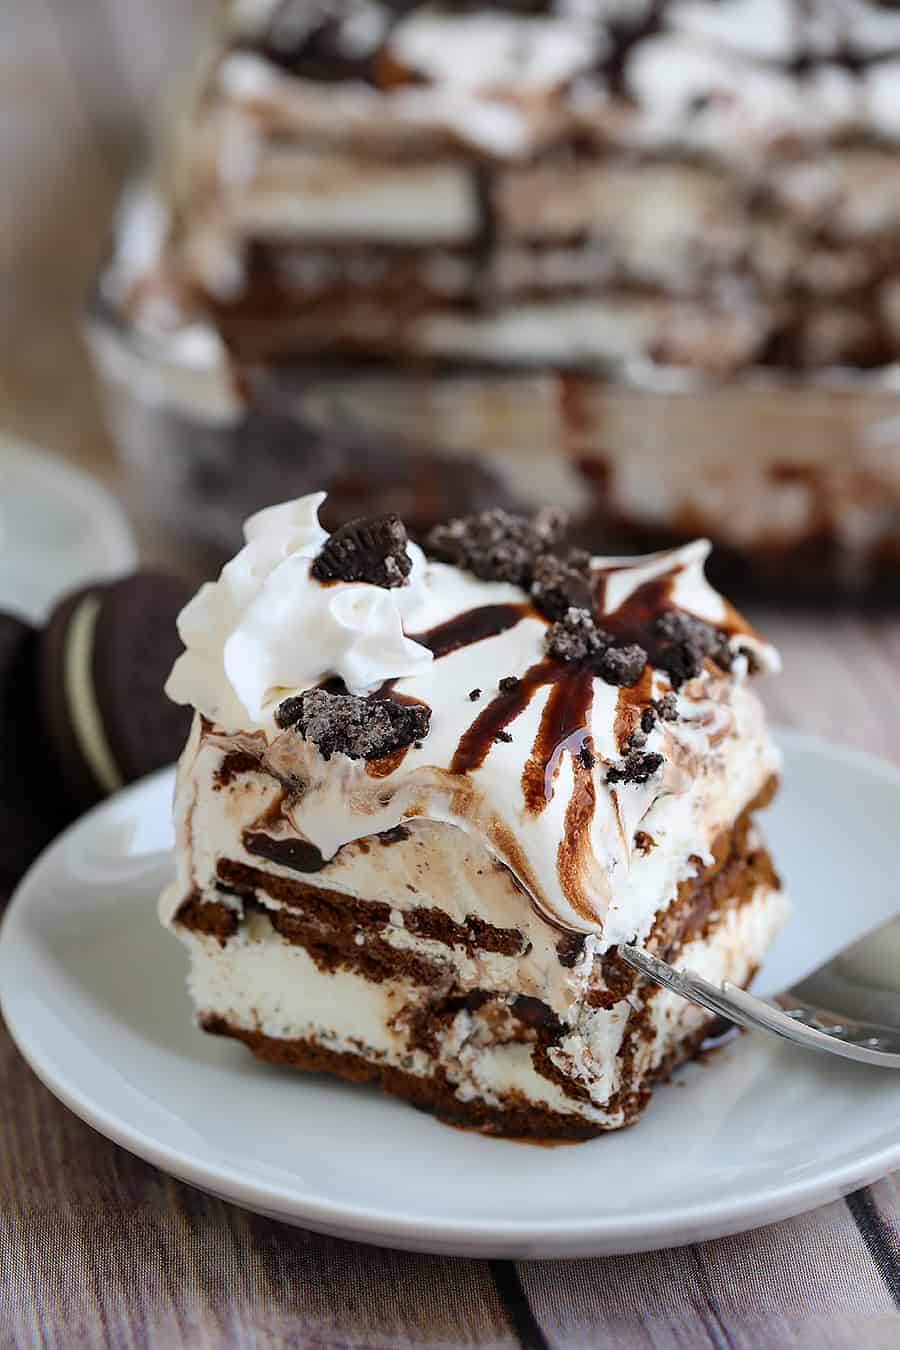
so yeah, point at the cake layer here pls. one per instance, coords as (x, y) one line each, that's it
(805, 486)
(576, 151)
(748, 79)
(461, 907)
(233, 807)
(692, 198)
(492, 1058)
(423, 802)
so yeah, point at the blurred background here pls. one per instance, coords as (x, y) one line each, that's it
(85, 81)
(80, 88)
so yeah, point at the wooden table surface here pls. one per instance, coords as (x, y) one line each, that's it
(78, 81)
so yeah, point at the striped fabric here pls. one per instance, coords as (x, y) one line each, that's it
(97, 1249)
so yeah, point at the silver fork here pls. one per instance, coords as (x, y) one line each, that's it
(850, 1006)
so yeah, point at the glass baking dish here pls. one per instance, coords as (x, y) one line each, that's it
(797, 484)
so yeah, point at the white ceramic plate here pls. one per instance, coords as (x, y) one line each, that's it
(58, 529)
(93, 992)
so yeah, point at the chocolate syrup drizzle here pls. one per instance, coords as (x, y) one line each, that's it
(565, 720)
(471, 626)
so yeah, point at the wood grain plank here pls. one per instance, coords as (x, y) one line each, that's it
(841, 676)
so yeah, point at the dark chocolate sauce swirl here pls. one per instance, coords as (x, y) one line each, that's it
(633, 620)
(480, 735)
(474, 625)
(564, 726)
(298, 854)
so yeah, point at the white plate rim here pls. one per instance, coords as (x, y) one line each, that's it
(84, 492)
(472, 1236)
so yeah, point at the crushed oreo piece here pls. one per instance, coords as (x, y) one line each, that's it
(576, 637)
(508, 684)
(357, 727)
(474, 695)
(503, 736)
(586, 757)
(666, 708)
(621, 666)
(569, 949)
(371, 549)
(497, 545)
(648, 719)
(638, 739)
(638, 767)
(562, 583)
(287, 712)
(682, 643)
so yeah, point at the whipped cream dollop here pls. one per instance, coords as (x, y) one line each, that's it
(267, 628)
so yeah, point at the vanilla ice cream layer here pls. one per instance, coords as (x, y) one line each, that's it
(260, 983)
(434, 866)
(297, 195)
(681, 226)
(614, 331)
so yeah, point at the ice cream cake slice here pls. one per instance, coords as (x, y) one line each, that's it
(428, 792)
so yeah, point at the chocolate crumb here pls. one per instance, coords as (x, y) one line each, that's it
(474, 695)
(503, 736)
(357, 727)
(575, 637)
(637, 767)
(648, 719)
(569, 949)
(497, 545)
(372, 549)
(638, 739)
(682, 643)
(667, 708)
(534, 1012)
(621, 666)
(562, 583)
(586, 757)
(508, 684)
(644, 842)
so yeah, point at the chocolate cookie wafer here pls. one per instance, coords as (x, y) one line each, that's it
(105, 655)
(31, 808)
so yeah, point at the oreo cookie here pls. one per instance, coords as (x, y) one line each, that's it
(371, 549)
(32, 806)
(104, 658)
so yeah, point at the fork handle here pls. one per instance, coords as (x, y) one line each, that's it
(747, 1010)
